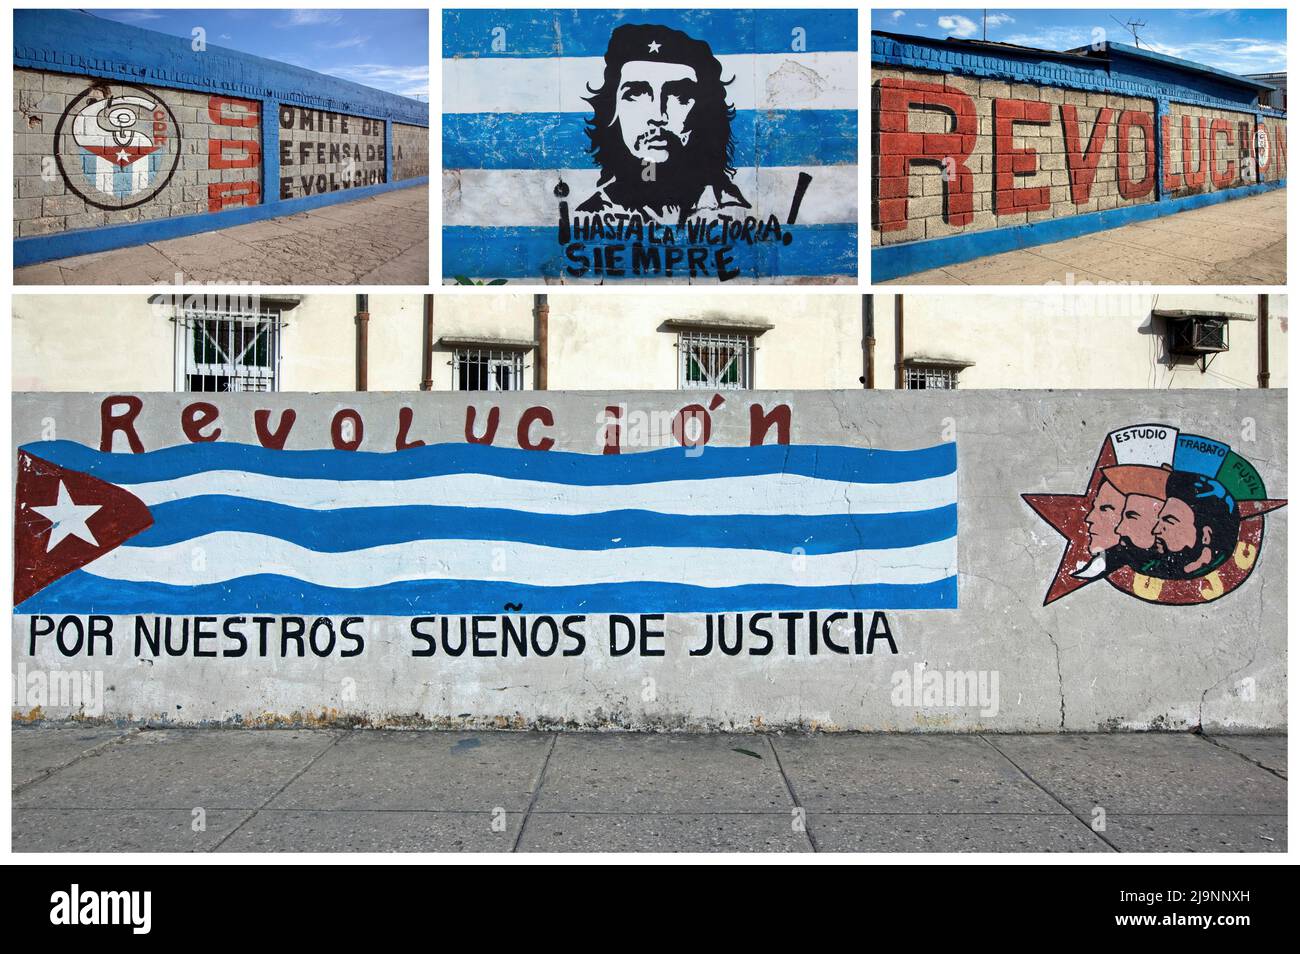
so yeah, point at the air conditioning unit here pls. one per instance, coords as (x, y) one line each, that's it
(1195, 337)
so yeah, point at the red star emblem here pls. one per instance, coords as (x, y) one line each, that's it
(1066, 514)
(63, 519)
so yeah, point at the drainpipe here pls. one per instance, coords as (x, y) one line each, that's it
(363, 341)
(899, 381)
(426, 361)
(541, 325)
(868, 342)
(1262, 334)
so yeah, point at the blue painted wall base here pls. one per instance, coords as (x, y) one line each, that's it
(44, 248)
(895, 261)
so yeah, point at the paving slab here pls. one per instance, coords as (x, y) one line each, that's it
(922, 774)
(699, 832)
(1145, 773)
(1267, 750)
(384, 831)
(115, 829)
(1197, 832)
(1239, 242)
(953, 833)
(636, 773)
(181, 769)
(423, 771)
(36, 751)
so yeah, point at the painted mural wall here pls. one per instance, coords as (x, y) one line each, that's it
(323, 151)
(91, 152)
(126, 129)
(832, 559)
(595, 145)
(970, 140)
(410, 152)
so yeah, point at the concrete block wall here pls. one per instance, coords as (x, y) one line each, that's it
(124, 136)
(324, 152)
(1018, 153)
(1209, 150)
(206, 154)
(986, 148)
(410, 152)
(1003, 649)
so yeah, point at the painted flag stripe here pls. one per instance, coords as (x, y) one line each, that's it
(356, 528)
(271, 594)
(526, 197)
(822, 462)
(814, 251)
(800, 137)
(552, 32)
(772, 81)
(229, 555)
(772, 494)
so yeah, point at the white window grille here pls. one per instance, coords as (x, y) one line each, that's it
(234, 347)
(487, 369)
(934, 376)
(715, 360)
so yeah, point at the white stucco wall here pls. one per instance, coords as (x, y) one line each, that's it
(618, 340)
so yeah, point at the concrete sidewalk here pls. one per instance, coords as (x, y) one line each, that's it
(379, 240)
(1242, 242)
(104, 789)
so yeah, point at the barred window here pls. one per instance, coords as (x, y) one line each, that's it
(921, 376)
(715, 360)
(487, 369)
(230, 347)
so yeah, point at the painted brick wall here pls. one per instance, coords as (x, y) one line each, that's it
(1212, 149)
(90, 153)
(960, 154)
(410, 151)
(125, 136)
(322, 151)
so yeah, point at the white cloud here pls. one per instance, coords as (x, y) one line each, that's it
(135, 15)
(403, 80)
(1052, 38)
(997, 19)
(345, 44)
(297, 18)
(958, 25)
(897, 15)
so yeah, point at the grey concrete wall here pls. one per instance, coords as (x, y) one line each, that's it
(322, 151)
(208, 153)
(410, 151)
(1099, 658)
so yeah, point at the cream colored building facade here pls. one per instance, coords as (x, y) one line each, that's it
(628, 340)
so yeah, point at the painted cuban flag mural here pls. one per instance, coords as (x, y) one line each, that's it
(650, 145)
(225, 527)
(119, 156)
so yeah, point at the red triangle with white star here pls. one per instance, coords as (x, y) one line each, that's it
(64, 519)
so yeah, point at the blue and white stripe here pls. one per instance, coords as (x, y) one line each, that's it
(513, 125)
(452, 529)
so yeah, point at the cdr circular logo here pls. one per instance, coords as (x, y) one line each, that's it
(117, 145)
(1261, 147)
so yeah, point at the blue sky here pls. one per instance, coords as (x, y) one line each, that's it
(1240, 41)
(386, 49)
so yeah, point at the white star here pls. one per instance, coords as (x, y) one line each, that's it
(654, 46)
(69, 519)
(123, 156)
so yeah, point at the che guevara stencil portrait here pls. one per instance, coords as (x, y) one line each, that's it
(683, 146)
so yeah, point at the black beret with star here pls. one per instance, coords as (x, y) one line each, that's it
(661, 44)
